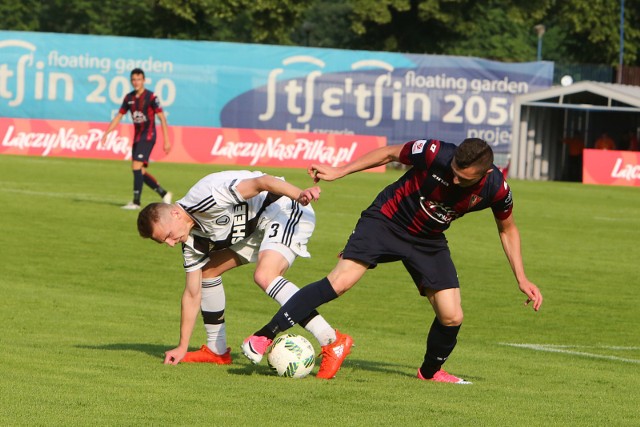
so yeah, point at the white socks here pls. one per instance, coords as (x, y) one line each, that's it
(280, 289)
(212, 305)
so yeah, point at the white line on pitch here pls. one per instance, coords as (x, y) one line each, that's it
(91, 197)
(606, 347)
(607, 218)
(561, 349)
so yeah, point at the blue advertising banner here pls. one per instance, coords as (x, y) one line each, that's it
(213, 84)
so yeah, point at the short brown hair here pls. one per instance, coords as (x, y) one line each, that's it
(474, 152)
(137, 71)
(148, 217)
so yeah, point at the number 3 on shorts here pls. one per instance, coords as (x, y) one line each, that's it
(274, 228)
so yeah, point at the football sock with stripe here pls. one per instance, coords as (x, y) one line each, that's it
(153, 184)
(298, 307)
(212, 307)
(138, 181)
(440, 343)
(282, 290)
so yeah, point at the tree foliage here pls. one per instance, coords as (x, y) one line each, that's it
(576, 30)
(593, 29)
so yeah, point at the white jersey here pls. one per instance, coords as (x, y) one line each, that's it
(224, 218)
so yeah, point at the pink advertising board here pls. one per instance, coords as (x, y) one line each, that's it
(225, 146)
(611, 167)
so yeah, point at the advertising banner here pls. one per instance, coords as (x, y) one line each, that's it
(611, 167)
(300, 89)
(246, 147)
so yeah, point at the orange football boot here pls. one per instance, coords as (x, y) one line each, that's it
(205, 355)
(333, 355)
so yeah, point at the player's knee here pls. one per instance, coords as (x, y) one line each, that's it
(451, 319)
(340, 285)
(263, 278)
(345, 275)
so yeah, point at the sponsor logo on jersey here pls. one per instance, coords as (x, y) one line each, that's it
(440, 180)
(508, 201)
(223, 220)
(239, 222)
(418, 146)
(438, 212)
(138, 117)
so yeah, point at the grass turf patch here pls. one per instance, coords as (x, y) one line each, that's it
(88, 309)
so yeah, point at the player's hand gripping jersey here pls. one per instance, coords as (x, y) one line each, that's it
(424, 200)
(224, 218)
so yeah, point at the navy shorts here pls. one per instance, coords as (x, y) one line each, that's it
(377, 240)
(141, 151)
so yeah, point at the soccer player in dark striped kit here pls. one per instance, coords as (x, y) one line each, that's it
(406, 222)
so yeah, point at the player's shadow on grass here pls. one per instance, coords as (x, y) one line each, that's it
(248, 368)
(350, 364)
(242, 366)
(155, 350)
(379, 366)
(95, 201)
(395, 368)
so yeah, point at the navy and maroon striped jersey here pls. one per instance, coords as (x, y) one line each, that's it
(143, 113)
(424, 200)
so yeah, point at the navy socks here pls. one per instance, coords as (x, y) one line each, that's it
(299, 307)
(440, 343)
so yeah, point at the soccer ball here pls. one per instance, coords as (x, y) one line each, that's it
(291, 356)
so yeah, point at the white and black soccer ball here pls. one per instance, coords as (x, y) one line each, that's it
(291, 356)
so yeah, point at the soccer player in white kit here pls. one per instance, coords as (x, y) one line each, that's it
(228, 219)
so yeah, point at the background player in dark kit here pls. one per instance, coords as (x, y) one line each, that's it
(405, 223)
(144, 107)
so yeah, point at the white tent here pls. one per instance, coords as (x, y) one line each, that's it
(542, 119)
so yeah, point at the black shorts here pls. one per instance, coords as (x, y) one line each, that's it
(377, 240)
(141, 151)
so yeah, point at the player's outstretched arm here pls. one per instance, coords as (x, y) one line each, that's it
(165, 133)
(111, 126)
(190, 309)
(510, 239)
(252, 187)
(378, 157)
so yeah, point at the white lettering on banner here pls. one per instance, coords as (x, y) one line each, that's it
(49, 83)
(273, 148)
(6, 73)
(409, 101)
(67, 139)
(627, 171)
(57, 59)
(493, 136)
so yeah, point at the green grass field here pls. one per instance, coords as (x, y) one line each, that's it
(88, 308)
